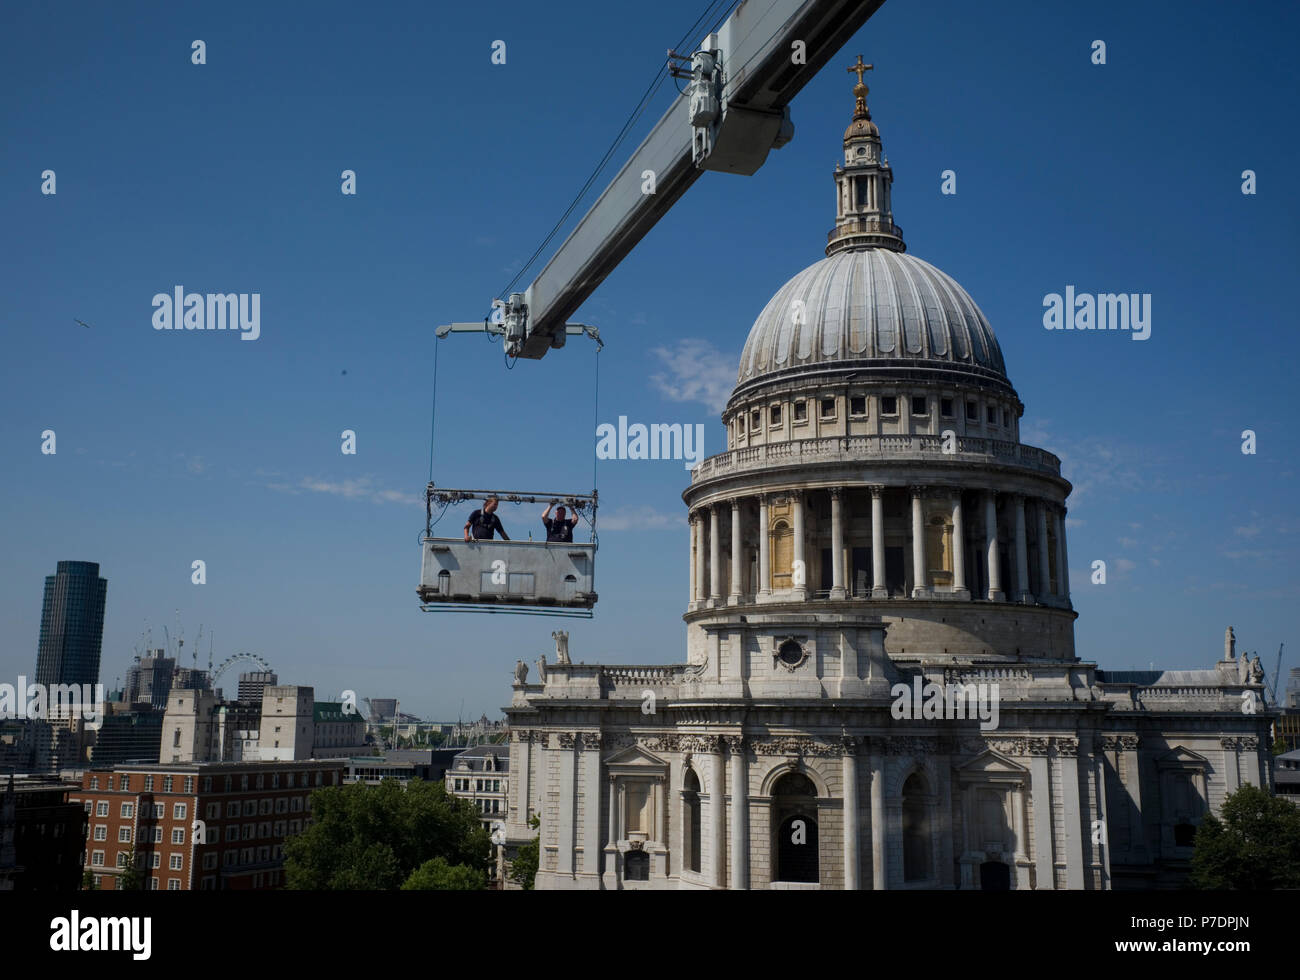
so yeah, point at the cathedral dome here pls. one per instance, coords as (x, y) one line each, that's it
(876, 312)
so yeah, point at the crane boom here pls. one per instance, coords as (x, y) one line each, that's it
(735, 109)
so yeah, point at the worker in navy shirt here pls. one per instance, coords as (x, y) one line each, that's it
(483, 522)
(558, 529)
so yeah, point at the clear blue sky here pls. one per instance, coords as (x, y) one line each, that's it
(225, 178)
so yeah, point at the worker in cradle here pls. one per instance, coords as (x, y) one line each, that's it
(483, 522)
(561, 528)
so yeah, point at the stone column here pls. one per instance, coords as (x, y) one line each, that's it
(991, 539)
(736, 553)
(764, 549)
(715, 556)
(1022, 551)
(837, 543)
(717, 813)
(878, 590)
(878, 864)
(920, 585)
(739, 781)
(1075, 826)
(849, 764)
(591, 808)
(568, 803)
(1062, 557)
(694, 556)
(701, 556)
(1044, 567)
(958, 549)
(799, 569)
(611, 836)
(1040, 784)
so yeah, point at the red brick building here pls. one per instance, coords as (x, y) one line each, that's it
(245, 810)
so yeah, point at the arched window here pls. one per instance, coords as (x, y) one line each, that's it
(794, 811)
(691, 821)
(917, 849)
(782, 554)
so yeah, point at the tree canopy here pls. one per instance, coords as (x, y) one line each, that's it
(387, 837)
(1255, 845)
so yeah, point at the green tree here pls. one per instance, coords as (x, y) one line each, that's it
(1280, 747)
(88, 881)
(132, 877)
(438, 875)
(375, 837)
(1255, 845)
(523, 869)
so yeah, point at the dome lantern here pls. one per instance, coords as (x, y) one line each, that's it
(863, 216)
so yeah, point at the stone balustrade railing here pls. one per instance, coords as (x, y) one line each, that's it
(851, 449)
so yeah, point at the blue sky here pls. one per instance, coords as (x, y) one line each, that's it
(176, 446)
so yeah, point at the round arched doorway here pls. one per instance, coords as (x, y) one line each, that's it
(794, 816)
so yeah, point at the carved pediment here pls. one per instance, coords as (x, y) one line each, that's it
(991, 763)
(1182, 758)
(635, 760)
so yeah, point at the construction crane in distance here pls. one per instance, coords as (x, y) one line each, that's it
(734, 110)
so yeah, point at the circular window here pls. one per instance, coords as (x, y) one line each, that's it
(791, 653)
(861, 150)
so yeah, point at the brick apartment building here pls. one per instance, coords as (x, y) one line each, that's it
(246, 809)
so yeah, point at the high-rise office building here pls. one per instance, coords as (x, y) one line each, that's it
(72, 625)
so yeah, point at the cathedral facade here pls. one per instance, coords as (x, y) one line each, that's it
(881, 688)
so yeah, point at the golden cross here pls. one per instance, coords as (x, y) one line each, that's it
(860, 68)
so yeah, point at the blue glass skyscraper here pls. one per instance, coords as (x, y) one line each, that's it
(72, 625)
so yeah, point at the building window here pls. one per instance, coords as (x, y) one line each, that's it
(209, 862)
(122, 857)
(636, 866)
(1006, 418)
(275, 780)
(94, 782)
(800, 412)
(828, 408)
(189, 784)
(178, 811)
(158, 811)
(157, 835)
(992, 415)
(176, 862)
(173, 884)
(916, 831)
(858, 405)
(157, 860)
(243, 781)
(124, 835)
(101, 832)
(153, 884)
(889, 405)
(232, 832)
(101, 809)
(207, 784)
(691, 820)
(945, 407)
(755, 423)
(775, 413)
(232, 809)
(250, 808)
(972, 412)
(178, 836)
(919, 405)
(128, 809)
(97, 859)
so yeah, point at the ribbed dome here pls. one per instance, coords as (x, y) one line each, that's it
(877, 311)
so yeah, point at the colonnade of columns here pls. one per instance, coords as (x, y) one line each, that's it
(1018, 513)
